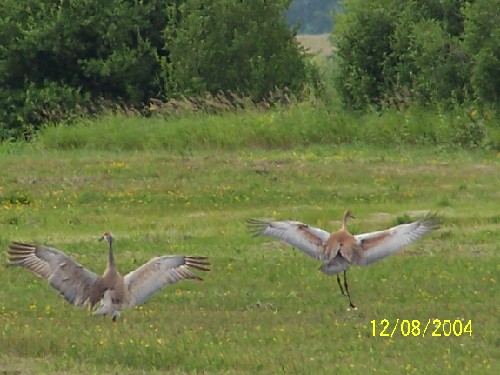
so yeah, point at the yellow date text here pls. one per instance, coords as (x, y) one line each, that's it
(418, 328)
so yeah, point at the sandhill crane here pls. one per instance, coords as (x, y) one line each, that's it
(338, 250)
(79, 286)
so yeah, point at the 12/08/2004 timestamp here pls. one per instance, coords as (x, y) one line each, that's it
(416, 328)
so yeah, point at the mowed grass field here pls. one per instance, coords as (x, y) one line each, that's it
(316, 44)
(264, 307)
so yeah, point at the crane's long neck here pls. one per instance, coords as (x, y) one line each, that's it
(344, 223)
(111, 258)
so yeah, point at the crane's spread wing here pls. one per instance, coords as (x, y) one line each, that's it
(71, 279)
(377, 245)
(308, 239)
(160, 271)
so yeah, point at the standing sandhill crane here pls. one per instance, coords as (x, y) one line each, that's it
(79, 286)
(338, 250)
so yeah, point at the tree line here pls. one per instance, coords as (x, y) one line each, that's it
(61, 58)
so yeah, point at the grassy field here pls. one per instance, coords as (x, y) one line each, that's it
(264, 308)
(318, 45)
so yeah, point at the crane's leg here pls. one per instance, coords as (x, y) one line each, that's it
(340, 285)
(347, 290)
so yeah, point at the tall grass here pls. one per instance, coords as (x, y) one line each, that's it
(283, 127)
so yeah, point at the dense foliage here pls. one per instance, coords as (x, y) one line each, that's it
(482, 43)
(251, 52)
(59, 58)
(428, 51)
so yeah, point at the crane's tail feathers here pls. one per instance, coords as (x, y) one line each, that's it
(256, 226)
(198, 262)
(18, 252)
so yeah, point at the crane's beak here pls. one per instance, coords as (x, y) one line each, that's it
(101, 238)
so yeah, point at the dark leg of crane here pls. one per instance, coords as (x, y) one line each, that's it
(340, 285)
(347, 290)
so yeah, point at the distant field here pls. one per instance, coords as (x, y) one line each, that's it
(317, 44)
(264, 308)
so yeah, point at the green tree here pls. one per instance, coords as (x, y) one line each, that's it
(226, 45)
(362, 36)
(482, 42)
(426, 51)
(57, 56)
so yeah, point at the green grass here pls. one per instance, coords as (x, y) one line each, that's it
(300, 124)
(264, 308)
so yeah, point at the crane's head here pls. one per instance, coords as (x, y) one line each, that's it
(106, 236)
(348, 215)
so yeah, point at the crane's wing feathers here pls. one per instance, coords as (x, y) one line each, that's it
(377, 245)
(160, 271)
(308, 239)
(71, 279)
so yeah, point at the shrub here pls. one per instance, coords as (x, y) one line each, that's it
(239, 46)
(59, 56)
(427, 51)
(362, 36)
(482, 42)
